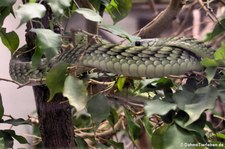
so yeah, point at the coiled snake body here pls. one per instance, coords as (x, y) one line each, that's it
(145, 58)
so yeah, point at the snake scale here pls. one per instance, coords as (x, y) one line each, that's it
(145, 58)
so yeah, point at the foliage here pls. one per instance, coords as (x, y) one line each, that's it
(173, 113)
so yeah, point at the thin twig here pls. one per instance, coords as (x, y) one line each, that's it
(107, 133)
(11, 81)
(208, 11)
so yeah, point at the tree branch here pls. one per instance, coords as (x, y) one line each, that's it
(108, 133)
(160, 23)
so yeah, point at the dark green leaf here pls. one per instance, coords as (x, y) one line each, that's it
(1, 108)
(164, 83)
(8, 140)
(196, 127)
(118, 9)
(58, 6)
(203, 99)
(76, 92)
(183, 98)
(148, 127)
(82, 119)
(118, 31)
(55, 79)
(171, 137)
(116, 145)
(10, 39)
(113, 117)
(7, 3)
(81, 144)
(134, 128)
(28, 11)
(158, 107)
(219, 29)
(48, 41)
(97, 3)
(89, 14)
(120, 83)
(4, 12)
(145, 86)
(99, 108)
(1, 142)
(19, 138)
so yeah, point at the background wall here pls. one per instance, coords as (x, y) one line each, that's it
(18, 103)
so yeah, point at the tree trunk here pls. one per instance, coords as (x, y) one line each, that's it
(55, 119)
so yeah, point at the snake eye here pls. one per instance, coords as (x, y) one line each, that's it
(137, 43)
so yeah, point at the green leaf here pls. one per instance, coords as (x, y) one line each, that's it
(97, 3)
(7, 3)
(48, 41)
(4, 12)
(219, 29)
(8, 140)
(113, 117)
(182, 98)
(10, 39)
(210, 73)
(29, 11)
(1, 107)
(36, 58)
(98, 107)
(19, 138)
(32, 1)
(148, 127)
(134, 128)
(1, 142)
(80, 143)
(220, 135)
(55, 79)
(208, 62)
(203, 99)
(220, 53)
(120, 83)
(171, 137)
(116, 145)
(58, 6)
(82, 119)
(89, 14)
(158, 107)
(119, 9)
(197, 127)
(118, 31)
(76, 92)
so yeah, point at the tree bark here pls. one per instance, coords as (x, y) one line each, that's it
(55, 117)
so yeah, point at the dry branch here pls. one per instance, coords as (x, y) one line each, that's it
(160, 23)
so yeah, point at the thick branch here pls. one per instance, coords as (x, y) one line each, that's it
(160, 23)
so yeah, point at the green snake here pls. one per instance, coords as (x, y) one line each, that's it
(144, 58)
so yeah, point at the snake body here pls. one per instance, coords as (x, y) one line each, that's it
(145, 58)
